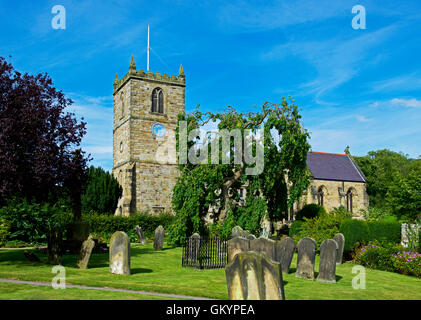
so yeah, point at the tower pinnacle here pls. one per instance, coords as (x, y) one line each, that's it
(132, 68)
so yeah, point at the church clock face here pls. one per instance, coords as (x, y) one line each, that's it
(158, 130)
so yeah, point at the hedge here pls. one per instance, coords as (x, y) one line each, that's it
(295, 228)
(389, 231)
(355, 232)
(105, 225)
(361, 232)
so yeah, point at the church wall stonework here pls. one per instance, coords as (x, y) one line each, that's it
(334, 195)
(141, 161)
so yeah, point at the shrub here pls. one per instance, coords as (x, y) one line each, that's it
(310, 211)
(385, 231)
(4, 232)
(295, 228)
(30, 222)
(103, 226)
(407, 262)
(375, 214)
(321, 228)
(356, 233)
(102, 192)
(375, 256)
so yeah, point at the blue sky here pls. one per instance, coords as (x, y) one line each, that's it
(360, 88)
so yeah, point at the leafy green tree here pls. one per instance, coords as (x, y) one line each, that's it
(271, 193)
(382, 168)
(404, 194)
(102, 192)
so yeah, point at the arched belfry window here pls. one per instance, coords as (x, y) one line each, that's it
(349, 200)
(122, 104)
(157, 100)
(320, 196)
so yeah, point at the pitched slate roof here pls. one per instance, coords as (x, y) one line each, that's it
(333, 166)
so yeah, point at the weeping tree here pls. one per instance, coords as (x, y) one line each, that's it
(269, 164)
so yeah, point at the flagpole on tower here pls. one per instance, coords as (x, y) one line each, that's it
(147, 65)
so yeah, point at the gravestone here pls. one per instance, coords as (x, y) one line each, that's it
(264, 245)
(237, 231)
(340, 240)
(194, 246)
(120, 253)
(140, 235)
(306, 257)
(85, 253)
(327, 264)
(253, 276)
(237, 245)
(158, 243)
(284, 253)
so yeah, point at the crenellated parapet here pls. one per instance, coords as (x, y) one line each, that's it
(179, 80)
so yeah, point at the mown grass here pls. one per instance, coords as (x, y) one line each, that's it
(161, 271)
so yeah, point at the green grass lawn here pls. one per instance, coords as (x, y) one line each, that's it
(161, 271)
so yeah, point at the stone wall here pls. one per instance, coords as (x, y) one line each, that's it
(334, 195)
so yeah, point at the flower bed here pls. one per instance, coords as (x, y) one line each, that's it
(389, 258)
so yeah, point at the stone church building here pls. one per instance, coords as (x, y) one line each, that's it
(146, 109)
(336, 181)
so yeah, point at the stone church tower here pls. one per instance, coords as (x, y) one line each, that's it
(146, 107)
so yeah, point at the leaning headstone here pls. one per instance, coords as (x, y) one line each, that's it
(253, 276)
(237, 245)
(140, 235)
(340, 240)
(305, 259)
(158, 243)
(120, 253)
(284, 253)
(327, 264)
(264, 245)
(237, 231)
(85, 253)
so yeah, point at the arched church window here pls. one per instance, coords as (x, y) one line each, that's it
(157, 100)
(122, 104)
(320, 196)
(349, 199)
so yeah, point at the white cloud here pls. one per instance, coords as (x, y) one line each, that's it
(410, 103)
(362, 118)
(336, 60)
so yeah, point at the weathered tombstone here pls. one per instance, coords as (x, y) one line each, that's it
(140, 235)
(340, 240)
(327, 264)
(194, 246)
(264, 245)
(306, 257)
(158, 243)
(120, 253)
(236, 246)
(284, 253)
(237, 231)
(253, 276)
(85, 253)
